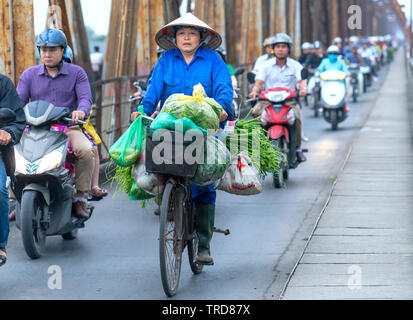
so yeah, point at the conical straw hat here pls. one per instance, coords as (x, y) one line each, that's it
(165, 37)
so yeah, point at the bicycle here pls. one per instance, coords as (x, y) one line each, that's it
(177, 217)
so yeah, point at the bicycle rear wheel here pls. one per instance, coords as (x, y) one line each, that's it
(171, 237)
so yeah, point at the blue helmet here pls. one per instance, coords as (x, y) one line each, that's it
(68, 56)
(52, 38)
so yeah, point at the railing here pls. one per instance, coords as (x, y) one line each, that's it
(111, 112)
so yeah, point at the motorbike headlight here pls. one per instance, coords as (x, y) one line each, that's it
(50, 161)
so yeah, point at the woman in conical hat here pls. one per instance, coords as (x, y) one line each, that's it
(190, 59)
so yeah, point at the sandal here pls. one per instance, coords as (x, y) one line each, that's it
(98, 193)
(3, 259)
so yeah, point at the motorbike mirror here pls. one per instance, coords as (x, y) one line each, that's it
(143, 85)
(251, 77)
(7, 115)
(239, 71)
(304, 74)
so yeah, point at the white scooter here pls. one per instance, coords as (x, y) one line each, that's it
(333, 97)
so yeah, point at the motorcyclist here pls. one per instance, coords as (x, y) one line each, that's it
(368, 57)
(339, 43)
(307, 49)
(354, 56)
(10, 135)
(63, 85)
(269, 53)
(332, 62)
(96, 192)
(314, 59)
(284, 72)
(223, 54)
(190, 59)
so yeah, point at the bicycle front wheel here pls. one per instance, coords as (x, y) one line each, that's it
(171, 237)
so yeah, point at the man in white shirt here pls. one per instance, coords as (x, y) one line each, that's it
(96, 58)
(282, 72)
(265, 57)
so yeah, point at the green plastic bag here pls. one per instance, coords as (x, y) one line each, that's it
(170, 122)
(203, 111)
(217, 159)
(125, 151)
(137, 194)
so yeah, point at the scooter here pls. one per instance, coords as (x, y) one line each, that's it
(333, 97)
(237, 100)
(354, 70)
(278, 119)
(314, 87)
(43, 187)
(367, 71)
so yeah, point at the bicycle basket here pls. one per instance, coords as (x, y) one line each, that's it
(168, 152)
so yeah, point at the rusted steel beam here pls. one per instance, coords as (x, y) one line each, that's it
(306, 25)
(16, 37)
(121, 45)
(7, 66)
(23, 34)
(57, 18)
(250, 45)
(78, 30)
(212, 13)
(150, 20)
(171, 9)
(334, 20)
(278, 20)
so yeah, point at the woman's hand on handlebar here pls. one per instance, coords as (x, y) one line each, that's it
(136, 114)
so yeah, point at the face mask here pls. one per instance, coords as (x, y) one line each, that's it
(333, 58)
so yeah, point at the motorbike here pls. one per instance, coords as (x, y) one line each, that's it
(278, 120)
(237, 100)
(367, 71)
(140, 87)
(354, 84)
(314, 87)
(333, 97)
(43, 186)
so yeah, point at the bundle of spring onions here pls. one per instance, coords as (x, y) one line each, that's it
(267, 158)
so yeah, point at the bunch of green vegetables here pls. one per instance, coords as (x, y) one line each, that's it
(269, 158)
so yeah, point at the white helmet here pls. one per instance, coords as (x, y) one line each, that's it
(333, 50)
(354, 39)
(307, 46)
(338, 40)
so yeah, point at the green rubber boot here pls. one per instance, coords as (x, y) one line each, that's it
(205, 215)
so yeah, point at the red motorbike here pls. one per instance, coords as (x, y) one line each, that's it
(278, 119)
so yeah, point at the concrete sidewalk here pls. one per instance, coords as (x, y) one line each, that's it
(362, 246)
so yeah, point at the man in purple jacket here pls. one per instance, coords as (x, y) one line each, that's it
(63, 85)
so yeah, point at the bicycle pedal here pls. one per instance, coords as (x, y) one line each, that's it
(225, 232)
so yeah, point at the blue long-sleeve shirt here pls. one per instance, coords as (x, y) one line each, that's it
(327, 65)
(173, 75)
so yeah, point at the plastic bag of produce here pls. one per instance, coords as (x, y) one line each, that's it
(203, 111)
(153, 184)
(241, 177)
(170, 122)
(125, 151)
(139, 194)
(216, 161)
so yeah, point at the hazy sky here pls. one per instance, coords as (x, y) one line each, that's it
(96, 14)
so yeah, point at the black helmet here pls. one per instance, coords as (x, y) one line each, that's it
(222, 52)
(52, 38)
